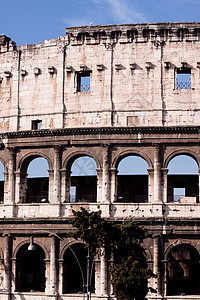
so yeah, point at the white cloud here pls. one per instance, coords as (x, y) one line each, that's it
(125, 11)
(108, 12)
(76, 22)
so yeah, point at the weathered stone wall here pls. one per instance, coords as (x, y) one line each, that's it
(132, 80)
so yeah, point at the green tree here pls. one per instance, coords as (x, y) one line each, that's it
(122, 240)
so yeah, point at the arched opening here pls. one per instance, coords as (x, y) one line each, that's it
(183, 180)
(30, 269)
(72, 278)
(132, 180)
(83, 186)
(34, 180)
(1, 183)
(183, 269)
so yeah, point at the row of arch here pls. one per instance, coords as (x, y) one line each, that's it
(132, 182)
(181, 276)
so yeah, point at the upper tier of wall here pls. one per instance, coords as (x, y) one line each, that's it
(133, 78)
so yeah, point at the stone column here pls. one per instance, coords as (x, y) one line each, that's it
(47, 276)
(67, 183)
(156, 264)
(5, 196)
(165, 171)
(17, 186)
(11, 177)
(53, 271)
(157, 175)
(51, 186)
(150, 185)
(7, 263)
(99, 185)
(199, 185)
(63, 185)
(113, 185)
(103, 261)
(60, 277)
(57, 179)
(105, 176)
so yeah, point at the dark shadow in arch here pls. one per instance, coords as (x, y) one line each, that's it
(72, 279)
(183, 270)
(30, 269)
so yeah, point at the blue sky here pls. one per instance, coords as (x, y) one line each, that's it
(27, 21)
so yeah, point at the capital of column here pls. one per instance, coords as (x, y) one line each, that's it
(57, 148)
(51, 172)
(113, 171)
(150, 171)
(65, 172)
(99, 171)
(164, 170)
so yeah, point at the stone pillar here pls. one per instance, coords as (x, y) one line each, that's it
(17, 186)
(99, 185)
(109, 285)
(51, 186)
(67, 182)
(11, 177)
(53, 271)
(47, 277)
(113, 185)
(199, 185)
(7, 263)
(165, 171)
(156, 264)
(5, 196)
(60, 277)
(103, 261)
(157, 175)
(57, 179)
(63, 185)
(150, 185)
(105, 176)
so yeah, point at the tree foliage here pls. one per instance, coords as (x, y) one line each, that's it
(122, 240)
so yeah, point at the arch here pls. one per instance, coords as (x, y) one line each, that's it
(66, 246)
(179, 242)
(27, 241)
(30, 269)
(183, 178)
(26, 159)
(129, 152)
(32, 190)
(183, 269)
(132, 187)
(67, 163)
(72, 278)
(180, 152)
(81, 187)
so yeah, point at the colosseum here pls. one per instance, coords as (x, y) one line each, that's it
(97, 99)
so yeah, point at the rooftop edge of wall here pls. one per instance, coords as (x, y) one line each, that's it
(126, 33)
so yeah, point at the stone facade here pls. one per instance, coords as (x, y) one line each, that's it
(107, 92)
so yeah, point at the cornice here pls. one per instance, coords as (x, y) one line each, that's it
(103, 131)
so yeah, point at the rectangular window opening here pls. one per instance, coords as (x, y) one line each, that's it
(183, 79)
(83, 82)
(177, 193)
(36, 124)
